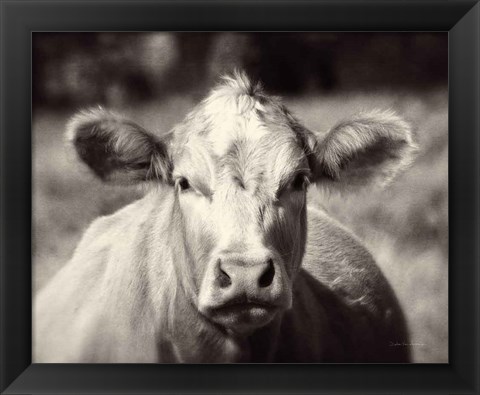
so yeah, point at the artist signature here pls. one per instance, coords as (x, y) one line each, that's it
(406, 344)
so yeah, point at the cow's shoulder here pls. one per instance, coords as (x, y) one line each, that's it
(341, 279)
(104, 229)
(90, 256)
(331, 247)
(336, 257)
(81, 304)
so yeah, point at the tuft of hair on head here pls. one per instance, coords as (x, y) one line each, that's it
(239, 82)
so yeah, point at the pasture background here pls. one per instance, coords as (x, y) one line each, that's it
(323, 77)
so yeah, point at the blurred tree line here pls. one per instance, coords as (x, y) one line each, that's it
(123, 68)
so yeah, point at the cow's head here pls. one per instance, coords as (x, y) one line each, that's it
(239, 166)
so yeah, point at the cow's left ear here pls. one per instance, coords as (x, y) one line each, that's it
(370, 147)
(118, 150)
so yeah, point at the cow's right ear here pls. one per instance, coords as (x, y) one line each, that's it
(118, 150)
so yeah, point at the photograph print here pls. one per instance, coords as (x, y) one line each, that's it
(228, 197)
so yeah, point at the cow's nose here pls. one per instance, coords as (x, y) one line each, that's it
(248, 285)
(244, 274)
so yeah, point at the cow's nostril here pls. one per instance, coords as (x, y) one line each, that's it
(267, 277)
(224, 280)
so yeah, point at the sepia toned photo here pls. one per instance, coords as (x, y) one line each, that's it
(240, 197)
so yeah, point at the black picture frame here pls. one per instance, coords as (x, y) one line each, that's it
(19, 18)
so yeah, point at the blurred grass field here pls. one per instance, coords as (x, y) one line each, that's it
(405, 226)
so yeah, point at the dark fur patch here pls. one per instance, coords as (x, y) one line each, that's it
(94, 148)
(382, 150)
(119, 150)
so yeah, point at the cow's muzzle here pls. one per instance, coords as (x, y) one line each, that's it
(242, 292)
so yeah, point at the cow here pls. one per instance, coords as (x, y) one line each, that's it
(223, 260)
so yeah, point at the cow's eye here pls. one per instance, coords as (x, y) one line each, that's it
(299, 182)
(183, 184)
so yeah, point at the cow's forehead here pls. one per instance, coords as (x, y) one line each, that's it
(235, 113)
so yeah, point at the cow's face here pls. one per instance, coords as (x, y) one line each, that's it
(239, 166)
(240, 174)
